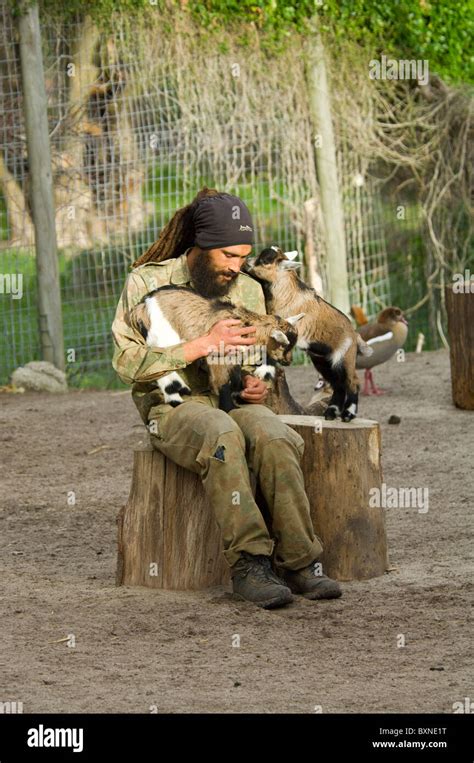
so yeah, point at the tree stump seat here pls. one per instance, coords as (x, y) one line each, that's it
(168, 537)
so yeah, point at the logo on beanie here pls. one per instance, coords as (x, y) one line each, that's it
(245, 227)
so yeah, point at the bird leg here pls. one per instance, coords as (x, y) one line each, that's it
(366, 391)
(373, 389)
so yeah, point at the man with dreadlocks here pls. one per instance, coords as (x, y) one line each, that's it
(204, 247)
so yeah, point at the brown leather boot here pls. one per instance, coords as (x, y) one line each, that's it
(254, 580)
(311, 583)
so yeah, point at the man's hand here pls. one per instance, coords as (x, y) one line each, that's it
(255, 390)
(229, 332)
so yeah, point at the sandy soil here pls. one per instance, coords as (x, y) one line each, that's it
(137, 648)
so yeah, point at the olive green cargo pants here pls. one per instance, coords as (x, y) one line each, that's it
(221, 448)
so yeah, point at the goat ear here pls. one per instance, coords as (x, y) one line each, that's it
(279, 336)
(291, 255)
(295, 318)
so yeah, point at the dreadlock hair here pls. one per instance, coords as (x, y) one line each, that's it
(178, 233)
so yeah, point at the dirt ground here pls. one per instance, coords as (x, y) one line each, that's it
(136, 648)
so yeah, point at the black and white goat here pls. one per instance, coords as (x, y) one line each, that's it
(172, 314)
(324, 331)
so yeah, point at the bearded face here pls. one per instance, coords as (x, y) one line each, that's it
(211, 279)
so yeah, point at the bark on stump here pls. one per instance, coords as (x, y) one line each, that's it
(168, 537)
(341, 463)
(460, 310)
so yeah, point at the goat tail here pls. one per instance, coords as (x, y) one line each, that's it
(362, 347)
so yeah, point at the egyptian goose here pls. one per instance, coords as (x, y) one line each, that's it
(386, 335)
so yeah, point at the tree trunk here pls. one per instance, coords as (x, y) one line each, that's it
(167, 534)
(310, 255)
(76, 217)
(460, 310)
(341, 464)
(20, 226)
(325, 155)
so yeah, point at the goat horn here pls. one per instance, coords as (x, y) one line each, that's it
(291, 255)
(279, 336)
(295, 318)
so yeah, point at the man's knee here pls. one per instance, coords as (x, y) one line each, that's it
(217, 430)
(259, 422)
(194, 434)
(261, 427)
(217, 423)
(198, 419)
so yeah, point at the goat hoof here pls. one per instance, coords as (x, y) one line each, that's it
(348, 416)
(330, 413)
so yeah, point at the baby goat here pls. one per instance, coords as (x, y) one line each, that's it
(172, 314)
(324, 332)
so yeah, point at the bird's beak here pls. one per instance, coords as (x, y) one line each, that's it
(404, 320)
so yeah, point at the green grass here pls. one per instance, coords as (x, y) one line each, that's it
(87, 319)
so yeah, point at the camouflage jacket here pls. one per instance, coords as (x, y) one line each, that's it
(140, 365)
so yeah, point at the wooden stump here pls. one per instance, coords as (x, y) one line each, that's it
(460, 310)
(167, 534)
(168, 537)
(341, 463)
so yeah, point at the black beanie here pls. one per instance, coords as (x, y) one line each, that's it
(222, 220)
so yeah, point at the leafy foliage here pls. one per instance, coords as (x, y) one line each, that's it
(441, 31)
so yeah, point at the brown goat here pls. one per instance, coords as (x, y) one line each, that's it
(324, 331)
(172, 314)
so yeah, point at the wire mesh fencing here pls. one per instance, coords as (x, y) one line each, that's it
(140, 119)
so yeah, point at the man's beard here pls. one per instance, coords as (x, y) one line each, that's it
(205, 278)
